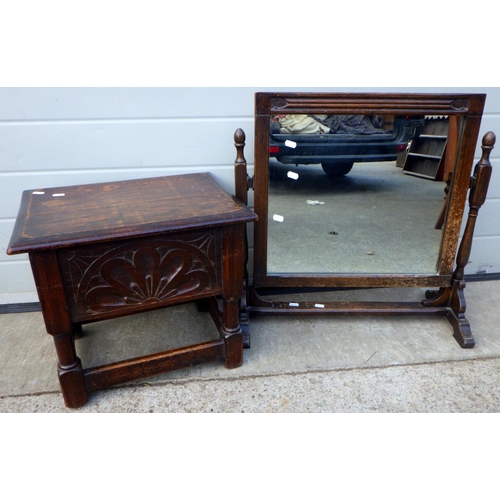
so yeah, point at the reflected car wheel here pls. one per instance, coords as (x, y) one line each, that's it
(337, 169)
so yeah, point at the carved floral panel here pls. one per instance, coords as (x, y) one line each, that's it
(134, 274)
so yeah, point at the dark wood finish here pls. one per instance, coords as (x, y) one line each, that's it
(369, 103)
(50, 288)
(110, 211)
(112, 249)
(240, 167)
(242, 184)
(452, 298)
(147, 366)
(467, 107)
(116, 278)
(464, 112)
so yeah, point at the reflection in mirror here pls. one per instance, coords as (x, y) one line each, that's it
(358, 194)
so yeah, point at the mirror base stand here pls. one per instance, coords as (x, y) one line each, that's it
(447, 301)
(452, 299)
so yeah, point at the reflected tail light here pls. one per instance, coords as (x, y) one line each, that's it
(274, 149)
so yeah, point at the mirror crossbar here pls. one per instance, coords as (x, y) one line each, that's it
(347, 308)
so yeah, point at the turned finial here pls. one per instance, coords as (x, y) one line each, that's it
(487, 145)
(239, 142)
(239, 137)
(482, 172)
(489, 139)
(240, 167)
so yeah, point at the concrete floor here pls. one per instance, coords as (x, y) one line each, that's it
(300, 364)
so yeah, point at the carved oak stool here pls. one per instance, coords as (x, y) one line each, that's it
(106, 250)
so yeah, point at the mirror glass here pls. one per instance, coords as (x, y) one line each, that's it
(358, 194)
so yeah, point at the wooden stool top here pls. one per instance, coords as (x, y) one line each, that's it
(66, 216)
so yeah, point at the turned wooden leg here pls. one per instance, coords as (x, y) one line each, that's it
(58, 323)
(69, 371)
(232, 333)
(232, 264)
(233, 342)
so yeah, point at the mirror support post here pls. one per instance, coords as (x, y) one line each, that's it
(240, 167)
(241, 193)
(453, 297)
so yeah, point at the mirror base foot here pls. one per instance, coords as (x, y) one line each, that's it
(462, 332)
(453, 299)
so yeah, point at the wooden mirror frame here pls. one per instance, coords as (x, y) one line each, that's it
(465, 112)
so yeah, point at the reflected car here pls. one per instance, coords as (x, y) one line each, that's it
(338, 141)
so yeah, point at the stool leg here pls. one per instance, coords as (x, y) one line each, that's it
(232, 334)
(232, 272)
(57, 319)
(69, 371)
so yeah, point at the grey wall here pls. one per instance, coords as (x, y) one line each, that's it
(65, 136)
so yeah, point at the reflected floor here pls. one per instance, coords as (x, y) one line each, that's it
(374, 220)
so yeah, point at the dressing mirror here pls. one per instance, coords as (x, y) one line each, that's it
(364, 191)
